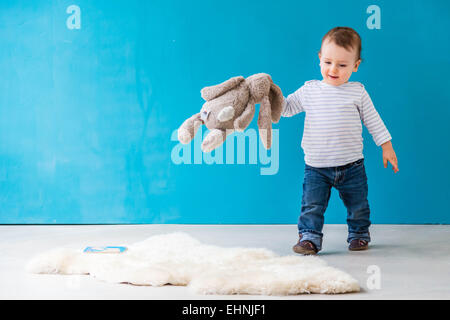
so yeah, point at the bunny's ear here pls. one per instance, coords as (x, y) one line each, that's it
(276, 102)
(209, 93)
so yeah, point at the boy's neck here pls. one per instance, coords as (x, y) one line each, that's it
(323, 81)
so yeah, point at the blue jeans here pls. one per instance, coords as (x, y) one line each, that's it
(351, 182)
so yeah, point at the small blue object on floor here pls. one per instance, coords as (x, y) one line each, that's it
(104, 249)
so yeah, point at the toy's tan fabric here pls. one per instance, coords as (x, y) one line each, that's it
(230, 106)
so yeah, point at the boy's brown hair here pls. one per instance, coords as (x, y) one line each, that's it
(345, 37)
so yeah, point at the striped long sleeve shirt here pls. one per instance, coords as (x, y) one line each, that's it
(332, 134)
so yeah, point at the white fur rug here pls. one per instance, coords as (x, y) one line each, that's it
(181, 260)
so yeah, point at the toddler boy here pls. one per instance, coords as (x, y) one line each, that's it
(333, 144)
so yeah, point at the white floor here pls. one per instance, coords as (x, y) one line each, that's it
(413, 260)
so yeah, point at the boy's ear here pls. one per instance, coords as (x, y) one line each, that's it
(356, 65)
(320, 57)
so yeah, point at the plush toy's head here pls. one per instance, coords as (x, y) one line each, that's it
(224, 103)
(230, 106)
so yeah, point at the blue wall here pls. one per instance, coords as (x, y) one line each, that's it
(88, 115)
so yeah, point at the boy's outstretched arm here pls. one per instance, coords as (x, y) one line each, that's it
(293, 104)
(389, 155)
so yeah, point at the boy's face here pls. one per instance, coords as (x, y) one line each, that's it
(337, 63)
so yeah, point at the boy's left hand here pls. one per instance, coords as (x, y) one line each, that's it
(389, 155)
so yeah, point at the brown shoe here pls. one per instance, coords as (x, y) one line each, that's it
(305, 247)
(358, 245)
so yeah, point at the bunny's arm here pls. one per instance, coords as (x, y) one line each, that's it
(215, 138)
(242, 122)
(189, 128)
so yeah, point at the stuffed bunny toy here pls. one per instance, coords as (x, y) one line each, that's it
(230, 106)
